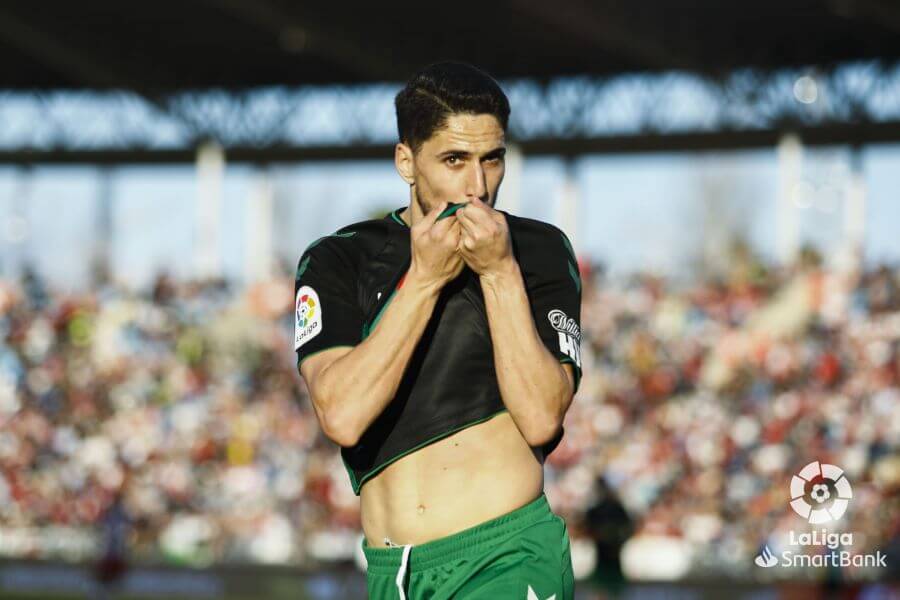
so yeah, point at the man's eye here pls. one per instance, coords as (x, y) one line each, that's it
(452, 160)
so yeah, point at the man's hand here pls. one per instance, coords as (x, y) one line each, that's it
(484, 244)
(433, 243)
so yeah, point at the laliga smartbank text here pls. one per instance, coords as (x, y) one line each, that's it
(840, 546)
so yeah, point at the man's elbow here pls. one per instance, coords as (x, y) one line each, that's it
(541, 435)
(334, 423)
(545, 428)
(339, 430)
(543, 431)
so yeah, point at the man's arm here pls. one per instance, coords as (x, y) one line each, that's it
(350, 387)
(536, 388)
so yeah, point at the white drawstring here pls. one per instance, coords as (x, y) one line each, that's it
(401, 574)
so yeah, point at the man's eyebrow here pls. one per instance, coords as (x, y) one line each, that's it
(447, 153)
(465, 153)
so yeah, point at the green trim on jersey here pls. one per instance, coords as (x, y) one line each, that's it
(319, 240)
(356, 485)
(576, 276)
(300, 362)
(573, 268)
(302, 268)
(397, 218)
(568, 245)
(576, 370)
(367, 328)
(451, 208)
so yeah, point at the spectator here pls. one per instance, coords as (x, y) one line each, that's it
(698, 404)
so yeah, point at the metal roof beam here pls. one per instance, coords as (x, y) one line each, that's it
(579, 19)
(887, 14)
(831, 135)
(300, 34)
(82, 68)
(67, 61)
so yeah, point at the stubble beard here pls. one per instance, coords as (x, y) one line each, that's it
(424, 205)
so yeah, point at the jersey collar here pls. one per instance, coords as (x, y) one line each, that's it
(395, 216)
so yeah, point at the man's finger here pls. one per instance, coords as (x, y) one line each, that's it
(443, 226)
(473, 227)
(434, 213)
(469, 224)
(456, 229)
(462, 241)
(464, 221)
(475, 214)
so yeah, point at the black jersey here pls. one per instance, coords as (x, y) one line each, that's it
(344, 283)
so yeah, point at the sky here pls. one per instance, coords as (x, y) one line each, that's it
(634, 211)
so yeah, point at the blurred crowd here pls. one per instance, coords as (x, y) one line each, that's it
(699, 402)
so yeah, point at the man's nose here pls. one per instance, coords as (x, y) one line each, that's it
(476, 184)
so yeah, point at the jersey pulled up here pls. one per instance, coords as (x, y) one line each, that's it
(345, 281)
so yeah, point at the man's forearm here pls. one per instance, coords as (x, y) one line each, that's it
(533, 384)
(358, 386)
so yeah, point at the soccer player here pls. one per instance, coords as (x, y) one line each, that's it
(440, 346)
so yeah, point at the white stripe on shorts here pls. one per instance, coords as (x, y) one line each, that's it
(401, 574)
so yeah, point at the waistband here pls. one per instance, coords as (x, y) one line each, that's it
(478, 538)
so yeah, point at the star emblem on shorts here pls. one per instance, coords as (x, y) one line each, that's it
(533, 596)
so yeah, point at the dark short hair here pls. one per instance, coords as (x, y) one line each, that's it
(443, 89)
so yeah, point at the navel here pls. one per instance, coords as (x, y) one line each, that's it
(421, 509)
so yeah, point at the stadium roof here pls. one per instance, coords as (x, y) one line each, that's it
(161, 47)
(133, 82)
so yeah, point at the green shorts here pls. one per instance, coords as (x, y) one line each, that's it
(523, 555)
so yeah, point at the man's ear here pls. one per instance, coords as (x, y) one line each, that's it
(403, 160)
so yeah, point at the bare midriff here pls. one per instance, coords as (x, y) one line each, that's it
(462, 480)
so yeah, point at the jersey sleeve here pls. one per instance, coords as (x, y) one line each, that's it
(554, 290)
(326, 309)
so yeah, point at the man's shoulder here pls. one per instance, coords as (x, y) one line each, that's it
(352, 243)
(532, 237)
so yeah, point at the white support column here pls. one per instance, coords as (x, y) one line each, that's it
(6, 253)
(787, 225)
(210, 173)
(510, 197)
(15, 229)
(258, 249)
(103, 226)
(567, 207)
(854, 214)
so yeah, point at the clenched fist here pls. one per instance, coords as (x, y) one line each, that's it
(484, 243)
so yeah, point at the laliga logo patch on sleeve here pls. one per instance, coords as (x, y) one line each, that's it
(308, 316)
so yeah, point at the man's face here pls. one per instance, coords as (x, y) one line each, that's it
(461, 161)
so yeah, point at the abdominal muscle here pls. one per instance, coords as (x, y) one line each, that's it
(462, 480)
